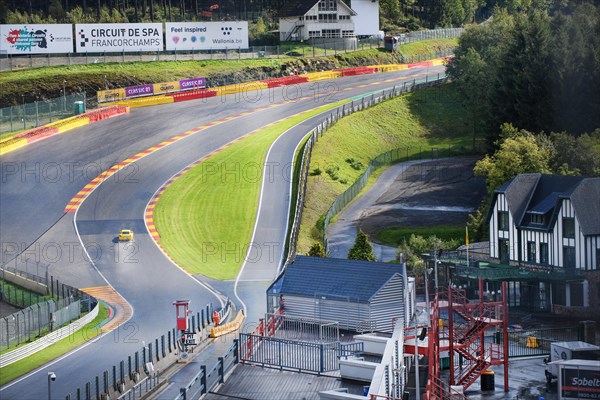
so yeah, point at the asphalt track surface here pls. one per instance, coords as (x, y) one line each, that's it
(38, 181)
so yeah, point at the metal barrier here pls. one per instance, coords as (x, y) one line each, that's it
(139, 371)
(535, 342)
(299, 355)
(31, 115)
(206, 380)
(343, 199)
(66, 304)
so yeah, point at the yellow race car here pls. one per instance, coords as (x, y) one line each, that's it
(125, 235)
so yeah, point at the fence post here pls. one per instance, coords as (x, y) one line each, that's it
(236, 349)
(220, 371)
(204, 389)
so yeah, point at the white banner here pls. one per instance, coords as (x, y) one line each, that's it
(93, 38)
(206, 35)
(36, 38)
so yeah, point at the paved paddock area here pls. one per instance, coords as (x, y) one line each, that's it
(249, 382)
(258, 383)
(526, 382)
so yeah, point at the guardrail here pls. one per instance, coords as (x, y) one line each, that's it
(48, 340)
(342, 200)
(138, 373)
(206, 380)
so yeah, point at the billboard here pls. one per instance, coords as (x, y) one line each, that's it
(98, 38)
(36, 38)
(206, 35)
(150, 89)
(580, 383)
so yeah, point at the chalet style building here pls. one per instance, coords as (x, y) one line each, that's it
(312, 20)
(549, 225)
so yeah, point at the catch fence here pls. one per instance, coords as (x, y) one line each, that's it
(41, 313)
(41, 112)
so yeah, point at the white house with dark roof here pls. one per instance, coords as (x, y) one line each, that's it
(550, 223)
(315, 19)
(357, 294)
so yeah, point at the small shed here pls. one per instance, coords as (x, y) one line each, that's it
(360, 295)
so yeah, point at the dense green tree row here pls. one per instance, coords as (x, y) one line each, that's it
(537, 72)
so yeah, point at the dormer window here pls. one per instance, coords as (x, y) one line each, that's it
(328, 5)
(537, 219)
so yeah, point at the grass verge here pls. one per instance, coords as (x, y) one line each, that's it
(85, 334)
(205, 218)
(394, 236)
(47, 82)
(418, 122)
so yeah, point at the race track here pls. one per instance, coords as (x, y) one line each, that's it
(39, 180)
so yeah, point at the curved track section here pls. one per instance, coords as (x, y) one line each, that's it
(33, 215)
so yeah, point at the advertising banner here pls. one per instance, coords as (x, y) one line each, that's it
(166, 87)
(110, 95)
(36, 38)
(206, 35)
(195, 83)
(580, 384)
(140, 90)
(91, 38)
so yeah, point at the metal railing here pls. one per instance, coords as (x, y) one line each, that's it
(390, 156)
(45, 315)
(139, 371)
(31, 115)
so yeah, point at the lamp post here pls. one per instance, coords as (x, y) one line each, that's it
(51, 378)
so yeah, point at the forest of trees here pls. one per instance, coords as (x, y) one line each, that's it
(395, 15)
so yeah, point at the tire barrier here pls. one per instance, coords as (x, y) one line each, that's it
(228, 327)
(145, 101)
(193, 95)
(241, 87)
(421, 64)
(319, 76)
(286, 80)
(389, 67)
(358, 71)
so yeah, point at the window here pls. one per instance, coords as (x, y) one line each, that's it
(576, 294)
(568, 257)
(537, 219)
(328, 5)
(310, 17)
(543, 253)
(504, 251)
(344, 17)
(327, 18)
(568, 227)
(503, 220)
(347, 34)
(531, 252)
(312, 34)
(330, 33)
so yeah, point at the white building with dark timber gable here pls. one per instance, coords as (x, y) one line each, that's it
(551, 224)
(360, 295)
(312, 20)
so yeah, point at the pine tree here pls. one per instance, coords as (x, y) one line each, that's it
(317, 250)
(362, 249)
